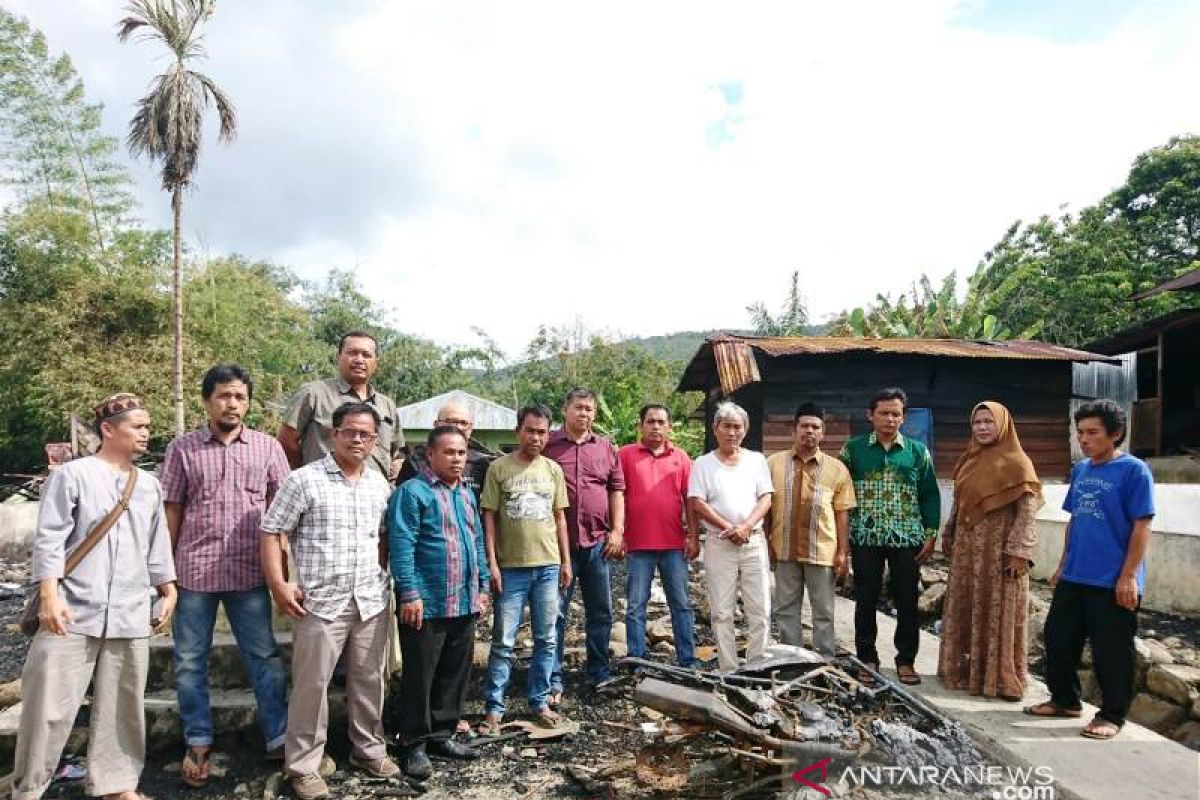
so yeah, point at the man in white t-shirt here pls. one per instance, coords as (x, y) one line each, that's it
(729, 493)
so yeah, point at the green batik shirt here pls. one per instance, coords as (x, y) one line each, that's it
(898, 500)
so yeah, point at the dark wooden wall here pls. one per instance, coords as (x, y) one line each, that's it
(1037, 392)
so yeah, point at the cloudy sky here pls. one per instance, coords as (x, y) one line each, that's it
(648, 167)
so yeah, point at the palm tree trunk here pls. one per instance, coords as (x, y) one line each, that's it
(177, 310)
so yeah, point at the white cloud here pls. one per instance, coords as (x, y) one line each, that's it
(551, 161)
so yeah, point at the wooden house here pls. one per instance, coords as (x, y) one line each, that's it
(1163, 358)
(944, 379)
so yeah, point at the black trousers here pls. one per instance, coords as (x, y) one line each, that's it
(868, 564)
(433, 680)
(1078, 613)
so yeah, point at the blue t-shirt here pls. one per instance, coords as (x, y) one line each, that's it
(1104, 501)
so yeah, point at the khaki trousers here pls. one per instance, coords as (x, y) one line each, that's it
(791, 580)
(316, 646)
(729, 568)
(54, 681)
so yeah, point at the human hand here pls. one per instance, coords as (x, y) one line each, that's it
(53, 615)
(692, 549)
(1015, 566)
(1054, 578)
(497, 581)
(841, 563)
(926, 550)
(412, 613)
(614, 545)
(290, 599)
(564, 575)
(1126, 590)
(485, 603)
(160, 623)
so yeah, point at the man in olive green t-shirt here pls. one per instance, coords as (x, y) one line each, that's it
(523, 499)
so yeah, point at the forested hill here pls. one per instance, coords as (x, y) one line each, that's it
(682, 346)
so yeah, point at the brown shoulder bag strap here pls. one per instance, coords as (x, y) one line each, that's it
(97, 533)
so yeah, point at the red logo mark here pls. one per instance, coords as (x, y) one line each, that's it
(823, 766)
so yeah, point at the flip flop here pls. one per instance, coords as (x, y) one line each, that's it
(548, 718)
(199, 761)
(1100, 729)
(490, 726)
(1049, 710)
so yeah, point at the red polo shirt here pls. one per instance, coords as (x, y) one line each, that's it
(655, 491)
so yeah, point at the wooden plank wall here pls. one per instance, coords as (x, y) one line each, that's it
(1037, 392)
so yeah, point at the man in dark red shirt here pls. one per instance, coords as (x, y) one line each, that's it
(656, 482)
(595, 529)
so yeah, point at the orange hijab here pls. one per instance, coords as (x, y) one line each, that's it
(991, 476)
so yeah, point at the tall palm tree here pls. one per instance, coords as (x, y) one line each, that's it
(169, 122)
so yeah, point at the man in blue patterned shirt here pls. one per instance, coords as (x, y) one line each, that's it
(895, 523)
(440, 570)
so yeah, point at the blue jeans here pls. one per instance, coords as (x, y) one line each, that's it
(589, 568)
(538, 585)
(249, 614)
(672, 567)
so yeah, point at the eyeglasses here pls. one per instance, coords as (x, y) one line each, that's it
(356, 436)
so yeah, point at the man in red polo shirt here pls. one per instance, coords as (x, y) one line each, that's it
(595, 524)
(656, 481)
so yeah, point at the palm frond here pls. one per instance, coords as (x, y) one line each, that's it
(226, 111)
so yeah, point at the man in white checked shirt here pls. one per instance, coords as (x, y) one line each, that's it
(331, 511)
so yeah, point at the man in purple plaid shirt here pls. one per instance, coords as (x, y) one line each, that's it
(217, 483)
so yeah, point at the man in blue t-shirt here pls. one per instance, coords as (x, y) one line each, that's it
(1101, 576)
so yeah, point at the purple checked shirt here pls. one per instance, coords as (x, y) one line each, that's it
(592, 471)
(224, 491)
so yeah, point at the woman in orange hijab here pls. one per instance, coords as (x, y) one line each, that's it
(989, 539)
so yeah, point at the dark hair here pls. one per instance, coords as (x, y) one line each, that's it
(1107, 411)
(443, 430)
(353, 410)
(890, 393)
(646, 409)
(225, 373)
(810, 410)
(535, 410)
(579, 393)
(357, 335)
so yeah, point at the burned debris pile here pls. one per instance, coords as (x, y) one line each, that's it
(745, 734)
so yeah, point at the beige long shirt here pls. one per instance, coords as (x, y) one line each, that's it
(109, 593)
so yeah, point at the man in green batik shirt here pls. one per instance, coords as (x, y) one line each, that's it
(895, 523)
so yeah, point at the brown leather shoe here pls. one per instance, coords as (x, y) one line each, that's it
(310, 787)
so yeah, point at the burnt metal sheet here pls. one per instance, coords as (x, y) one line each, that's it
(782, 658)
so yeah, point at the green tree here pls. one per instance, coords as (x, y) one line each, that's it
(168, 125)
(51, 145)
(792, 319)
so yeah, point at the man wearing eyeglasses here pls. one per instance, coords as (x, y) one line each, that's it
(456, 414)
(331, 511)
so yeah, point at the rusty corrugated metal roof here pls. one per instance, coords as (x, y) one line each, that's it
(734, 360)
(953, 348)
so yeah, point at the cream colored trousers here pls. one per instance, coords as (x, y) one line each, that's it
(729, 568)
(57, 672)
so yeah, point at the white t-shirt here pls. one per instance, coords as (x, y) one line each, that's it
(731, 491)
